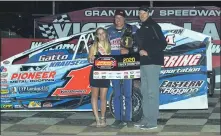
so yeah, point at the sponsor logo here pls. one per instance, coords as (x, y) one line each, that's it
(182, 61)
(96, 73)
(18, 106)
(6, 106)
(109, 63)
(131, 72)
(71, 92)
(103, 77)
(180, 87)
(57, 57)
(115, 44)
(58, 47)
(126, 76)
(118, 77)
(33, 77)
(5, 101)
(176, 31)
(68, 63)
(6, 62)
(137, 76)
(3, 69)
(3, 80)
(131, 76)
(138, 72)
(47, 105)
(4, 86)
(30, 89)
(5, 95)
(103, 73)
(34, 104)
(4, 75)
(95, 76)
(180, 70)
(4, 91)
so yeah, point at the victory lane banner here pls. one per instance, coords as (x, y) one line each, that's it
(117, 67)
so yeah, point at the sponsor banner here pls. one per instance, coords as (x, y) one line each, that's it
(117, 67)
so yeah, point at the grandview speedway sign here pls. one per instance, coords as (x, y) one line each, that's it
(202, 19)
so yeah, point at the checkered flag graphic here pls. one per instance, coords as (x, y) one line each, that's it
(48, 30)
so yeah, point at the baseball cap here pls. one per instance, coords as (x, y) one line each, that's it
(120, 12)
(145, 8)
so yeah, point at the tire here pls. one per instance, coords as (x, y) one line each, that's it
(136, 104)
(211, 84)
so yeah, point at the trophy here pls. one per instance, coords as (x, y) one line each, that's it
(127, 38)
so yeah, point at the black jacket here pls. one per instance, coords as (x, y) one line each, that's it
(151, 39)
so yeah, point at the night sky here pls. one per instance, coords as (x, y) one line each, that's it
(18, 16)
(42, 7)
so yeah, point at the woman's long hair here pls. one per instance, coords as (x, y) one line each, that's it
(106, 45)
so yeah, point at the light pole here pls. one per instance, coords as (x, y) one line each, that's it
(151, 4)
(53, 7)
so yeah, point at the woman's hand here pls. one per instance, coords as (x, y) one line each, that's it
(92, 59)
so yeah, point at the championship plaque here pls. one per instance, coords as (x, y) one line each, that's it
(117, 67)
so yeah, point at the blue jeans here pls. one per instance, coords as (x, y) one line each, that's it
(150, 93)
(122, 99)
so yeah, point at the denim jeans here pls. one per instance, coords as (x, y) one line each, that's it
(150, 93)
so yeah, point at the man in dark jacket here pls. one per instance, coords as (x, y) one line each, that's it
(151, 43)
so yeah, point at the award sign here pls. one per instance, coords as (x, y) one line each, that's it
(117, 67)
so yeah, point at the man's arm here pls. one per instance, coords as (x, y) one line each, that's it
(160, 42)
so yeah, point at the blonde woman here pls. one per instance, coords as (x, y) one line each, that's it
(101, 46)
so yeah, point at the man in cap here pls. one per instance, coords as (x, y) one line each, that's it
(151, 43)
(122, 88)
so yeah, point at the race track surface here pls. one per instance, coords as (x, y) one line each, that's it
(173, 122)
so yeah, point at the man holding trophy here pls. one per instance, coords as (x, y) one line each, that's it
(121, 39)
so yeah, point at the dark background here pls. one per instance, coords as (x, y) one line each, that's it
(18, 16)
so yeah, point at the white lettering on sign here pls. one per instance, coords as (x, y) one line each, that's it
(183, 60)
(58, 57)
(191, 12)
(60, 46)
(110, 13)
